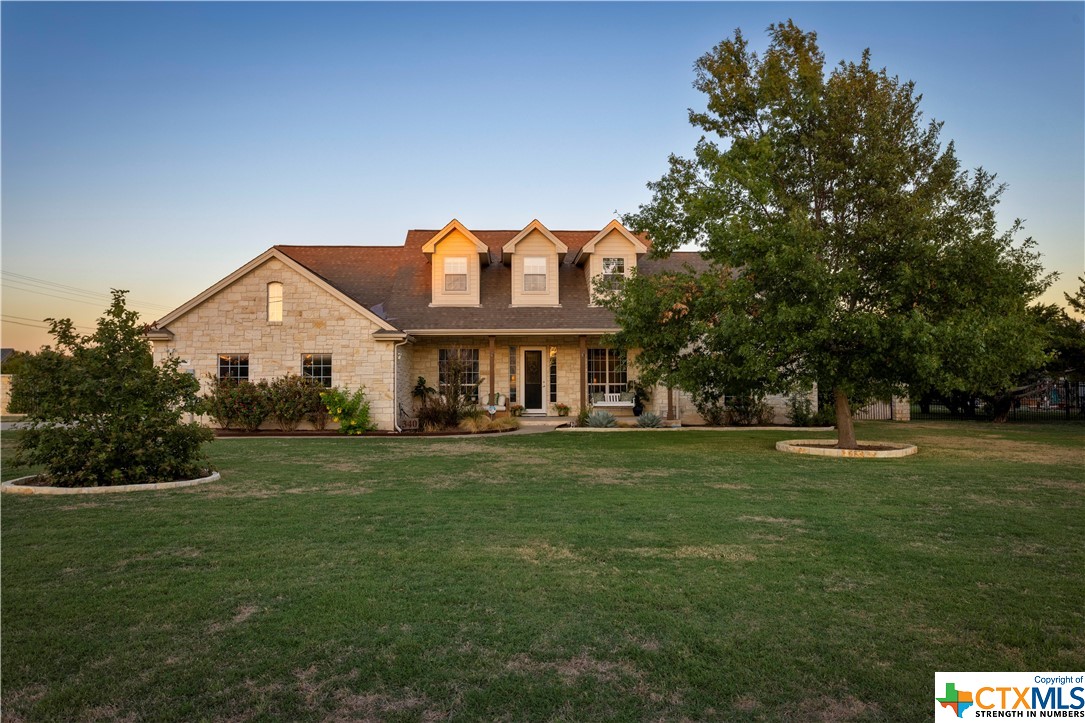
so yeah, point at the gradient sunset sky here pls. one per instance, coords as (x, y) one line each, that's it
(158, 147)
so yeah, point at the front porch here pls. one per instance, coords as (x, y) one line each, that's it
(533, 375)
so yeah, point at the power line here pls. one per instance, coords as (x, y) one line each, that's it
(33, 326)
(7, 317)
(98, 304)
(71, 290)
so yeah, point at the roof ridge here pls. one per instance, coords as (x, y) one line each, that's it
(335, 246)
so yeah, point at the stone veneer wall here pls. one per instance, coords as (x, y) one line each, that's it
(686, 412)
(5, 391)
(234, 321)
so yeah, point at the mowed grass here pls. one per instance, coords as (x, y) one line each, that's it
(570, 576)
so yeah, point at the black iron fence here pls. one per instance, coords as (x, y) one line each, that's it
(1050, 400)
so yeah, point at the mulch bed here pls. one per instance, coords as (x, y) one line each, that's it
(861, 446)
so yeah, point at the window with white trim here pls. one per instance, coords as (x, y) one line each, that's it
(317, 367)
(535, 273)
(606, 372)
(275, 302)
(455, 273)
(468, 359)
(613, 270)
(553, 375)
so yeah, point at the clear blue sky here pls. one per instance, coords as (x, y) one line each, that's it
(158, 147)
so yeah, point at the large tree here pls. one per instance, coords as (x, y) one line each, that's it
(848, 245)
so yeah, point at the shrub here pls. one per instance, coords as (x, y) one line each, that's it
(825, 417)
(253, 404)
(649, 420)
(101, 413)
(455, 400)
(351, 411)
(582, 417)
(294, 398)
(601, 418)
(800, 409)
(711, 408)
(473, 425)
(220, 403)
(504, 423)
(748, 408)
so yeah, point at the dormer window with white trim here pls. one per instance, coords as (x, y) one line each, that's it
(535, 274)
(275, 303)
(613, 270)
(456, 274)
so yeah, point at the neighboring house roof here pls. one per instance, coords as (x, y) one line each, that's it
(394, 283)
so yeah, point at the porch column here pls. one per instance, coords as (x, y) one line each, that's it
(491, 399)
(583, 371)
(670, 402)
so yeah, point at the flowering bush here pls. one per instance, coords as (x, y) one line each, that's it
(239, 402)
(294, 398)
(350, 411)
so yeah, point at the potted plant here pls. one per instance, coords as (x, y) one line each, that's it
(516, 410)
(641, 393)
(562, 409)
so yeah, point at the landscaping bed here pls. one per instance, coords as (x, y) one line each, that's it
(228, 433)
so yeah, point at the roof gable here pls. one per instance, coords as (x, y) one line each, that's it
(272, 253)
(454, 225)
(614, 225)
(536, 225)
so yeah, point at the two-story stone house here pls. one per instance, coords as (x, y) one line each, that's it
(516, 305)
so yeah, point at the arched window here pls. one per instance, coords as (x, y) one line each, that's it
(275, 302)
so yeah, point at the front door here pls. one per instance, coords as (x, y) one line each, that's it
(533, 381)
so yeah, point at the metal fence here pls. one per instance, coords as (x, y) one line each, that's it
(1050, 400)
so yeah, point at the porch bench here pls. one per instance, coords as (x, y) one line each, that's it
(611, 400)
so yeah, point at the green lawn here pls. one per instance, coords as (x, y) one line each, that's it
(627, 576)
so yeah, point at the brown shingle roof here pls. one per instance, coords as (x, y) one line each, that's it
(394, 282)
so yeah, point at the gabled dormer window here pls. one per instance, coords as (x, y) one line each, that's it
(535, 274)
(613, 270)
(456, 273)
(275, 302)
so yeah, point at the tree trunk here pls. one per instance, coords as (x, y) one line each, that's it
(845, 430)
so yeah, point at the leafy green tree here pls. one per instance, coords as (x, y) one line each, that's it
(1077, 301)
(848, 246)
(101, 413)
(15, 362)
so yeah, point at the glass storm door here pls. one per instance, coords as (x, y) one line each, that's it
(533, 380)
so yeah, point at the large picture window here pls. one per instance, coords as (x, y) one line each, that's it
(535, 273)
(455, 273)
(318, 367)
(446, 360)
(234, 366)
(606, 372)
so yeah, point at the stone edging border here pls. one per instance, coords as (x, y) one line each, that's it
(796, 446)
(15, 488)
